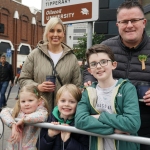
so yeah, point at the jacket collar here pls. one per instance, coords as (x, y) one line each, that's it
(92, 94)
(56, 114)
(43, 47)
(120, 81)
(6, 63)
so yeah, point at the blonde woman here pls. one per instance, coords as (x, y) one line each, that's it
(51, 57)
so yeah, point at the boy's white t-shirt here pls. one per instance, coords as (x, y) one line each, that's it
(104, 104)
(55, 57)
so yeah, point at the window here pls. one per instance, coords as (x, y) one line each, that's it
(24, 50)
(4, 15)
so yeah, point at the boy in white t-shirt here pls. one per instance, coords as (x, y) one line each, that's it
(109, 105)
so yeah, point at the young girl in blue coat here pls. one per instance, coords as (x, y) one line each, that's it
(67, 98)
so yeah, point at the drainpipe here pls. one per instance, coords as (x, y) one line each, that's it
(15, 20)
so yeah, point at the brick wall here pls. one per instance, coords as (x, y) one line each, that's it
(19, 30)
(24, 26)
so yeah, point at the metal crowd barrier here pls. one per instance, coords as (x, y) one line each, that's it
(129, 138)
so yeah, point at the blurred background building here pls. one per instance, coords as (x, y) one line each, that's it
(20, 31)
(106, 24)
(21, 27)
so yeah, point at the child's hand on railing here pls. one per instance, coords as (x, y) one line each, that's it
(64, 134)
(20, 125)
(96, 116)
(121, 132)
(52, 132)
(15, 135)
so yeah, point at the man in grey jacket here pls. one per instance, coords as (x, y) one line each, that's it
(131, 42)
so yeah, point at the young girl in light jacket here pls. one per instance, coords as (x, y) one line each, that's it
(30, 108)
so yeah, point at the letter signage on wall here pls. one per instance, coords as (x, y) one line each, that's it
(70, 11)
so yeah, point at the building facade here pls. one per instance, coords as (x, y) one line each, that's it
(20, 31)
(21, 27)
(106, 24)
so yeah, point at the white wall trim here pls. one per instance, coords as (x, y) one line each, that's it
(7, 41)
(24, 44)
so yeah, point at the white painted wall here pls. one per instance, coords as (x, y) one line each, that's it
(70, 33)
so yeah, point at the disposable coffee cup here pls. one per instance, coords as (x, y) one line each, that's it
(51, 78)
(141, 90)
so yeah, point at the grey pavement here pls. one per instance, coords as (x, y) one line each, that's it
(10, 103)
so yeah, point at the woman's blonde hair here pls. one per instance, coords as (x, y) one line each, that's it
(50, 25)
(72, 89)
(32, 89)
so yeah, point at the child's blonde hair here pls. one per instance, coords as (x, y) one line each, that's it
(72, 89)
(32, 89)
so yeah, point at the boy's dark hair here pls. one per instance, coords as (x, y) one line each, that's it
(130, 4)
(99, 48)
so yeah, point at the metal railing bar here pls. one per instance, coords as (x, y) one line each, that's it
(122, 137)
